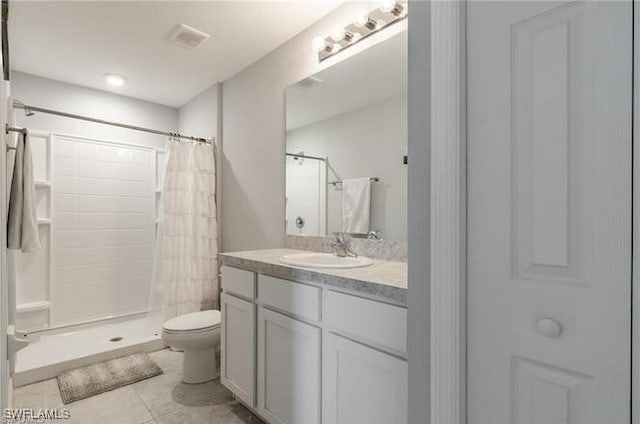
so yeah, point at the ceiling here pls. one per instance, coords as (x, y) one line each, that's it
(377, 73)
(79, 41)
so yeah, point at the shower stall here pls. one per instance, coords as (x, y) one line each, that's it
(88, 293)
(306, 194)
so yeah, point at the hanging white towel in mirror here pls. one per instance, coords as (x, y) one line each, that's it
(356, 205)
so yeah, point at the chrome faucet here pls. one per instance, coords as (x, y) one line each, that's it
(341, 245)
(375, 235)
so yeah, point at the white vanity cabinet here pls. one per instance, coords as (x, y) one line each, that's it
(320, 355)
(364, 370)
(238, 338)
(362, 385)
(288, 369)
(238, 343)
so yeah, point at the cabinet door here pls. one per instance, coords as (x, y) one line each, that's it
(362, 385)
(238, 347)
(288, 369)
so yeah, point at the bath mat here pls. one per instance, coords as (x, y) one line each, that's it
(92, 380)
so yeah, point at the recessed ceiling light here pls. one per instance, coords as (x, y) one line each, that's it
(115, 80)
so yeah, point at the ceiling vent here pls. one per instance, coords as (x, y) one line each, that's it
(308, 82)
(187, 37)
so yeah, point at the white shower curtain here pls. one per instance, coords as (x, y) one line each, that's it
(188, 247)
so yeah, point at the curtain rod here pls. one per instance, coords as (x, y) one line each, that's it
(297, 155)
(30, 109)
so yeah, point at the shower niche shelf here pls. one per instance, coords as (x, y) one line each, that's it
(33, 276)
(33, 315)
(33, 306)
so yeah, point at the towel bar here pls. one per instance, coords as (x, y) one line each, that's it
(335, 183)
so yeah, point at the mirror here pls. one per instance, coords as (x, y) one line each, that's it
(346, 145)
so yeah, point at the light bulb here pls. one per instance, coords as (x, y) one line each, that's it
(365, 21)
(337, 33)
(361, 20)
(388, 5)
(319, 44)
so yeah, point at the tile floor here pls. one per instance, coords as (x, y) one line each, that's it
(159, 400)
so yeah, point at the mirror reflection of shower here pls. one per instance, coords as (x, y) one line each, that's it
(299, 157)
(306, 194)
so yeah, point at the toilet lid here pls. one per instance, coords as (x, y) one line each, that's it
(193, 321)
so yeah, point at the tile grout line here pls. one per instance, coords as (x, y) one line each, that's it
(153, 418)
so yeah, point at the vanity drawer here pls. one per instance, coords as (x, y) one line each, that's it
(378, 322)
(296, 298)
(239, 281)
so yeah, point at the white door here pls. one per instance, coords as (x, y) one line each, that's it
(238, 347)
(549, 212)
(362, 385)
(288, 369)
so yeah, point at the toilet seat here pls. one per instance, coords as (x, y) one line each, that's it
(203, 331)
(194, 322)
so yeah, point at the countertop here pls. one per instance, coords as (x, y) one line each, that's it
(383, 279)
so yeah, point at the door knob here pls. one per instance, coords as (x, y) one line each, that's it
(549, 327)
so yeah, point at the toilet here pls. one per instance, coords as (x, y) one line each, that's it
(197, 334)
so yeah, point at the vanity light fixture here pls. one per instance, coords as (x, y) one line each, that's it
(342, 37)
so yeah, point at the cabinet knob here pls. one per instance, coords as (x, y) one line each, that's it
(549, 327)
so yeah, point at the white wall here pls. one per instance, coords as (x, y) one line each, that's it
(253, 196)
(199, 116)
(366, 142)
(71, 98)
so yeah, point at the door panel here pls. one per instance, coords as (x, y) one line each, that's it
(549, 212)
(238, 347)
(288, 369)
(362, 385)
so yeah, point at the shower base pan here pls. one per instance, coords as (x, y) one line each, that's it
(53, 353)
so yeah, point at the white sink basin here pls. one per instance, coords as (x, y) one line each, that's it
(324, 260)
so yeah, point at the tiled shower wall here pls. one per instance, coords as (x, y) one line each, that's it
(102, 221)
(104, 225)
